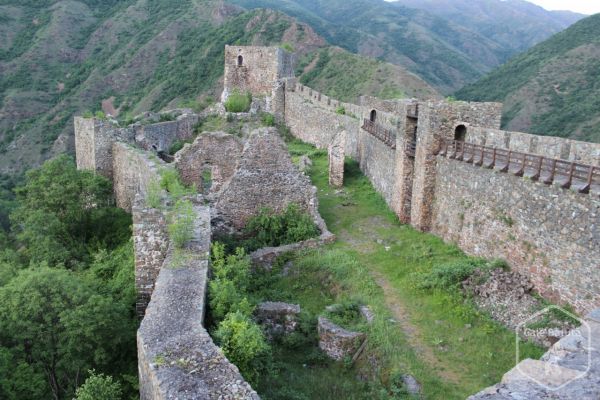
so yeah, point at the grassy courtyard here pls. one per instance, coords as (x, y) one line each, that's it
(437, 336)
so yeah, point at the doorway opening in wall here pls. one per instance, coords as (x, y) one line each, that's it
(460, 133)
(373, 115)
(240, 61)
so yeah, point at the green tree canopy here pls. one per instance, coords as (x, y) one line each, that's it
(63, 214)
(99, 387)
(53, 329)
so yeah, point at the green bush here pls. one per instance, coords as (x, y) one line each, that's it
(166, 117)
(99, 387)
(181, 227)
(268, 229)
(244, 344)
(228, 287)
(340, 110)
(154, 195)
(345, 314)
(237, 102)
(449, 275)
(176, 146)
(287, 47)
(100, 115)
(268, 119)
(171, 182)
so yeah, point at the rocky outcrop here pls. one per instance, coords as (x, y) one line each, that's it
(337, 342)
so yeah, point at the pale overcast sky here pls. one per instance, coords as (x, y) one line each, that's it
(580, 6)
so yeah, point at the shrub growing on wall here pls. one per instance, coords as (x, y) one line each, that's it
(238, 102)
(243, 344)
(270, 229)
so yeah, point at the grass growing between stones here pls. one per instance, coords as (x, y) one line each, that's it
(439, 337)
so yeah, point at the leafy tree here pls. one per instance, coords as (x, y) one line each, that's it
(62, 213)
(54, 328)
(99, 387)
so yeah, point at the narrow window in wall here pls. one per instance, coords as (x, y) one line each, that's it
(373, 116)
(240, 61)
(460, 133)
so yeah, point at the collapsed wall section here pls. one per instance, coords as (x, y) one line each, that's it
(544, 232)
(213, 155)
(160, 137)
(265, 177)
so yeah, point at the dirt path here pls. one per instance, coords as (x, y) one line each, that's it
(412, 332)
(364, 239)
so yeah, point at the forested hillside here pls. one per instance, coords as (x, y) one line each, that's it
(553, 89)
(516, 25)
(67, 296)
(345, 76)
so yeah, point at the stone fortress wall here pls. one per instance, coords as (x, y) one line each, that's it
(547, 233)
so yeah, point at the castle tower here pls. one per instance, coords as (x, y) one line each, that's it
(255, 70)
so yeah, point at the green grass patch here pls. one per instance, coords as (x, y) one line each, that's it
(238, 102)
(471, 349)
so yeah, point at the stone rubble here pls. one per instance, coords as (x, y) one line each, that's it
(277, 318)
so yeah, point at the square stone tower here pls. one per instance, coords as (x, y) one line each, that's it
(255, 69)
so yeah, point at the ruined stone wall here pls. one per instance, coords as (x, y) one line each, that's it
(216, 153)
(548, 146)
(162, 135)
(150, 243)
(133, 171)
(93, 144)
(177, 358)
(544, 232)
(265, 177)
(261, 67)
(313, 117)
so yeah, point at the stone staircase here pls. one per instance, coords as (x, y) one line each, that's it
(569, 370)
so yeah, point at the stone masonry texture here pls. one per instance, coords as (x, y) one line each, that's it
(255, 69)
(266, 177)
(544, 232)
(217, 153)
(549, 234)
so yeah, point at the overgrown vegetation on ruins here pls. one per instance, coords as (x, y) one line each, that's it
(238, 102)
(66, 289)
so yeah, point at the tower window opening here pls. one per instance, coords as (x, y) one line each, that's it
(240, 61)
(460, 133)
(373, 116)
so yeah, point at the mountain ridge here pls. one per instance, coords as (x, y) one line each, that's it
(552, 89)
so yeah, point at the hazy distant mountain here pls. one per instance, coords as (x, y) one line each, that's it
(552, 89)
(514, 24)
